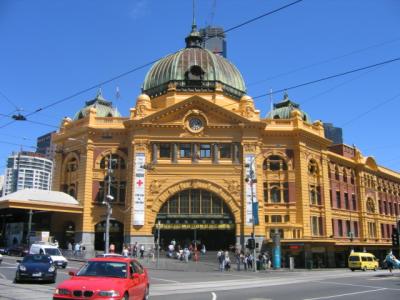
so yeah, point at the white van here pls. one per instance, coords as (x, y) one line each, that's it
(51, 250)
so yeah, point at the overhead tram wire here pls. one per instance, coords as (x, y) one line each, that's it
(9, 101)
(329, 77)
(325, 61)
(16, 144)
(145, 65)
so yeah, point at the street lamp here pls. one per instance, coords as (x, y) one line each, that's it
(251, 179)
(158, 241)
(108, 201)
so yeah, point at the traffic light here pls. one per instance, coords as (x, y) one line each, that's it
(251, 243)
(395, 238)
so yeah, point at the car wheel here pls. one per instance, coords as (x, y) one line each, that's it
(364, 269)
(375, 269)
(146, 294)
(352, 270)
(126, 296)
(16, 280)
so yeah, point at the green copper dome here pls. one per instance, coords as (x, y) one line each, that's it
(283, 110)
(103, 107)
(194, 69)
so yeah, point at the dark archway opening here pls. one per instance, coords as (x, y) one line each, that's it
(116, 235)
(196, 215)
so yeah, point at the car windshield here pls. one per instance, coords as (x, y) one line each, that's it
(53, 251)
(103, 269)
(37, 259)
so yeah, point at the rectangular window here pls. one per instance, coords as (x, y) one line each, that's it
(216, 206)
(354, 201)
(348, 228)
(205, 150)
(185, 150)
(330, 197)
(173, 205)
(276, 219)
(265, 192)
(380, 206)
(287, 218)
(275, 193)
(338, 200)
(225, 151)
(321, 226)
(313, 195)
(205, 202)
(165, 150)
(355, 225)
(340, 227)
(184, 202)
(315, 226)
(346, 201)
(121, 192)
(390, 208)
(385, 208)
(195, 201)
(266, 219)
(286, 192)
(383, 235)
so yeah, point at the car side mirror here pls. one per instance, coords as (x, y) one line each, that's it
(135, 276)
(72, 273)
(19, 261)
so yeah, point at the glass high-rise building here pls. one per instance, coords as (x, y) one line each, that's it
(27, 170)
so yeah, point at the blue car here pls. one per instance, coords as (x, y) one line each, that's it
(36, 267)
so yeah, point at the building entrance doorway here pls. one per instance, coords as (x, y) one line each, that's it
(196, 216)
(116, 235)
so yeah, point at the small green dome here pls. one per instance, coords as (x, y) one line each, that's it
(194, 69)
(283, 110)
(103, 107)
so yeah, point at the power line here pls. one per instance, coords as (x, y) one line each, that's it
(262, 16)
(325, 61)
(329, 77)
(9, 100)
(147, 64)
(15, 144)
(371, 109)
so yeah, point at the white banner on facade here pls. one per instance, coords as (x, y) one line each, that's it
(139, 199)
(249, 159)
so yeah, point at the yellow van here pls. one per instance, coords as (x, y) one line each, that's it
(362, 261)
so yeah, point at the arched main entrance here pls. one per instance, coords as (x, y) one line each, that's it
(116, 235)
(196, 215)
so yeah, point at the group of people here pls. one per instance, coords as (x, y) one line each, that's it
(391, 262)
(76, 248)
(131, 250)
(186, 253)
(246, 260)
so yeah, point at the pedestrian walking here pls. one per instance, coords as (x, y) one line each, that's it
(125, 251)
(135, 250)
(238, 259)
(390, 261)
(141, 251)
(227, 262)
(221, 260)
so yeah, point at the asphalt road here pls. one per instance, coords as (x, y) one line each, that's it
(310, 285)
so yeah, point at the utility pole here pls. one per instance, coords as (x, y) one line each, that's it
(28, 235)
(107, 201)
(158, 242)
(253, 221)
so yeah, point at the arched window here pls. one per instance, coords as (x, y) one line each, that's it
(117, 162)
(275, 163)
(352, 177)
(313, 168)
(344, 175)
(337, 176)
(370, 206)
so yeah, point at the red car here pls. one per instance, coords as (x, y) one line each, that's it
(106, 278)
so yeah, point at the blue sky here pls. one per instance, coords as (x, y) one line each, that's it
(52, 49)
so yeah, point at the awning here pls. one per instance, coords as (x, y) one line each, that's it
(34, 199)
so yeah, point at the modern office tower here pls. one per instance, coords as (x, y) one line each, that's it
(333, 133)
(45, 145)
(27, 170)
(214, 40)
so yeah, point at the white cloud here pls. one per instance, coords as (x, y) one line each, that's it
(139, 9)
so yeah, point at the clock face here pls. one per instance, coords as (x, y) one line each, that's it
(195, 124)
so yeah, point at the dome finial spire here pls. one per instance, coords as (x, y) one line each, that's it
(194, 40)
(194, 26)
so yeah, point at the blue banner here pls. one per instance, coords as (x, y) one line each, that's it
(255, 212)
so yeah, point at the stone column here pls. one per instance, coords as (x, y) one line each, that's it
(154, 153)
(174, 153)
(215, 153)
(194, 154)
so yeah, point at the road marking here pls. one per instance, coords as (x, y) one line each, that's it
(3, 276)
(214, 296)
(348, 294)
(350, 284)
(167, 280)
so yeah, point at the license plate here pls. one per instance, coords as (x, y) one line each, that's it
(59, 263)
(37, 274)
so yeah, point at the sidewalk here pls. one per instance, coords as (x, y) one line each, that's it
(11, 291)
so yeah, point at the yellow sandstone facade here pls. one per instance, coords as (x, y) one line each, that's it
(181, 159)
